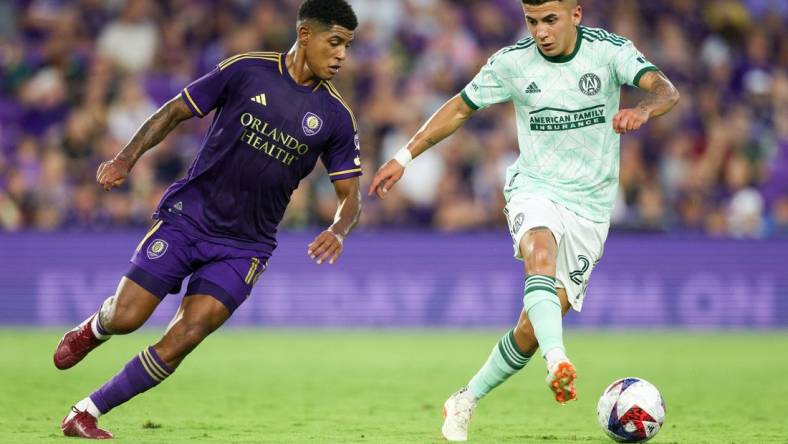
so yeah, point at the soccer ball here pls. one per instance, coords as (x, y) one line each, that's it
(631, 410)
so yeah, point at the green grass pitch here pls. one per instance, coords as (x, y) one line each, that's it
(324, 386)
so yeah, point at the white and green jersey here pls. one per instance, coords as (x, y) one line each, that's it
(569, 152)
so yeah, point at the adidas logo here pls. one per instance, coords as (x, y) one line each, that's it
(178, 205)
(532, 88)
(260, 98)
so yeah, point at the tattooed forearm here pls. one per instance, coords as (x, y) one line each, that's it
(661, 97)
(449, 117)
(155, 129)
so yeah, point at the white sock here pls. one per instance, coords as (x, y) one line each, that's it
(85, 405)
(554, 355)
(94, 328)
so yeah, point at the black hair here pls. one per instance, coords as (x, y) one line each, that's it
(329, 12)
(539, 2)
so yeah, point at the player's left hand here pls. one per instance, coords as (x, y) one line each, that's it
(327, 245)
(629, 119)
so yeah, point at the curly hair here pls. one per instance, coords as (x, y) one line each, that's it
(329, 12)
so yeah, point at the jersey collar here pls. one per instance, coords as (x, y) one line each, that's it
(565, 58)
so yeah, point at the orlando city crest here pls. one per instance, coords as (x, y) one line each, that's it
(311, 124)
(156, 249)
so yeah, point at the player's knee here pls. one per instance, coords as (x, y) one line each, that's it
(540, 261)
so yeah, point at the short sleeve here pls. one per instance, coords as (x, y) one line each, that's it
(486, 88)
(629, 65)
(208, 92)
(343, 156)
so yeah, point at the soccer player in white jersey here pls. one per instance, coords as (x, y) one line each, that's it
(564, 82)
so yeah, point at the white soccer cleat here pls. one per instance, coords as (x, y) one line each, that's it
(457, 411)
(561, 379)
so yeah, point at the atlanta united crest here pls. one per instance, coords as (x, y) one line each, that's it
(590, 84)
(156, 249)
(311, 124)
(518, 222)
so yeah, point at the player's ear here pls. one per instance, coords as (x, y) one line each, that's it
(303, 34)
(577, 15)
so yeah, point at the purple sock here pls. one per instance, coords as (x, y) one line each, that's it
(146, 370)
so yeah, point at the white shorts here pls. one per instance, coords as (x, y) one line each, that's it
(580, 241)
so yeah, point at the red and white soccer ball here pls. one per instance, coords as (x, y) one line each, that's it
(631, 410)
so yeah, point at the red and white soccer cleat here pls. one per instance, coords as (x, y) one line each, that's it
(83, 425)
(561, 379)
(75, 345)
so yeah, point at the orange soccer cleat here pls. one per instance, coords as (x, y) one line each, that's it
(561, 379)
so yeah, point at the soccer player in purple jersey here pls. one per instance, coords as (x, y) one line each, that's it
(275, 114)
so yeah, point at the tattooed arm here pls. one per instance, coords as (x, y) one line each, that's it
(449, 117)
(661, 97)
(113, 173)
(452, 115)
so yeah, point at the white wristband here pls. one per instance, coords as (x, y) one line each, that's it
(403, 157)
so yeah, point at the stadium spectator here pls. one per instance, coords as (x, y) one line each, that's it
(76, 78)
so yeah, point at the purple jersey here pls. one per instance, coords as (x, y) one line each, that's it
(266, 135)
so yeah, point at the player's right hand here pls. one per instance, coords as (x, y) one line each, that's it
(389, 174)
(112, 173)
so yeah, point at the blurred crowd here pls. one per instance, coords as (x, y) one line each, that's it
(78, 77)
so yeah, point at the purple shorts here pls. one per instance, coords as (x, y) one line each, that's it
(167, 254)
